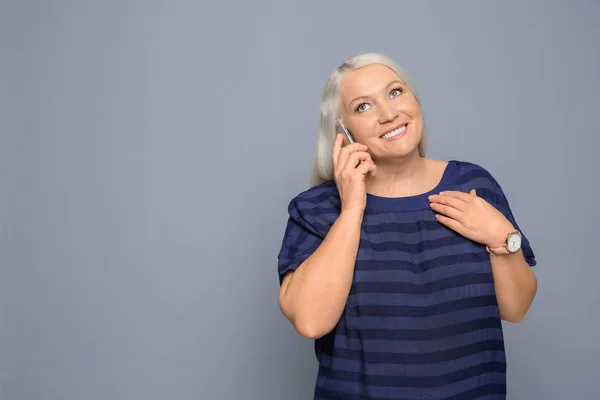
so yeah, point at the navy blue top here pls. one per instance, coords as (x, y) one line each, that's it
(422, 319)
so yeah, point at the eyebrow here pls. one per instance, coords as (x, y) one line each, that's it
(364, 97)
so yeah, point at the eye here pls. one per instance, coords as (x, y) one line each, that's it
(362, 107)
(396, 92)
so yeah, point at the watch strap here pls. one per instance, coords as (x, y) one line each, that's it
(497, 250)
(501, 249)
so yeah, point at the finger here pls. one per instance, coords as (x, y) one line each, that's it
(447, 211)
(337, 147)
(373, 169)
(346, 151)
(450, 223)
(449, 201)
(352, 147)
(458, 195)
(366, 167)
(355, 158)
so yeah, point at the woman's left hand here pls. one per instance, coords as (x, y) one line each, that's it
(471, 216)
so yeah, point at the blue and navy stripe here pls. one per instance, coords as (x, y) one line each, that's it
(422, 319)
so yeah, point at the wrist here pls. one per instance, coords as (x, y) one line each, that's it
(500, 236)
(352, 214)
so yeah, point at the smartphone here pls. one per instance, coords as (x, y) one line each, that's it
(348, 135)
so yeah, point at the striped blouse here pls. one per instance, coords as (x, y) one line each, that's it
(421, 320)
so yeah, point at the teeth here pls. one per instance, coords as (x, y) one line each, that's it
(394, 132)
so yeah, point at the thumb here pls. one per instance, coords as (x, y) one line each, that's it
(373, 170)
(473, 193)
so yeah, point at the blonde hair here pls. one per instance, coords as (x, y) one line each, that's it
(322, 166)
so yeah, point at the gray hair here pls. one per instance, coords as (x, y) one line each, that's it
(322, 167)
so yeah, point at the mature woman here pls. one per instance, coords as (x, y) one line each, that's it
(401, 267)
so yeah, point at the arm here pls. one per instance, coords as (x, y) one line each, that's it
(515, 283)
(313, 296)
(473, 217)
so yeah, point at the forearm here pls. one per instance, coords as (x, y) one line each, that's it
(515, 284)
(315, 295)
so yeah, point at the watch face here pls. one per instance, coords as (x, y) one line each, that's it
(514, 242)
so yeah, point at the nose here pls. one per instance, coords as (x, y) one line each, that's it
(387, 113)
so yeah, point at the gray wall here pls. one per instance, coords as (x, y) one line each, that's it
(148, 151)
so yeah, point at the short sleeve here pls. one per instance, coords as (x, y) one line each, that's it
(495, 195)
(300, 239)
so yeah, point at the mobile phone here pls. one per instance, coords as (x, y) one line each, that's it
(347, 132)
(349, 136)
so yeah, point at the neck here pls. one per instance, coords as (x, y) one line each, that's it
(398, 177)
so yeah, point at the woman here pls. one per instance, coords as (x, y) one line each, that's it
(401, 267)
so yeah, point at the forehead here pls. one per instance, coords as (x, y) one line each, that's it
(366, 80)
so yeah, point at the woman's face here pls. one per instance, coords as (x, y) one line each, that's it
(380, 111)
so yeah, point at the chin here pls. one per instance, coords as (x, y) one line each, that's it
(408, 153)
(388, 155)
(402, 149)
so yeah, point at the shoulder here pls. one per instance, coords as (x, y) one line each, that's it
(474, 176)
(319, 196)
(318, 206)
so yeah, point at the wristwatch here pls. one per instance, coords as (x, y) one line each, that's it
(511, 245)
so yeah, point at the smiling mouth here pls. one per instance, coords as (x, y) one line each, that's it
(395, 132)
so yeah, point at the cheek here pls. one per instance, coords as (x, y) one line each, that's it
(417, 120)
(364, 128)
(410, 106)
(415, 109)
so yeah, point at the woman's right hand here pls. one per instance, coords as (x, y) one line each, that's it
(349, 175)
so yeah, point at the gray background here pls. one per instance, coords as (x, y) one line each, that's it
(148, 151)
